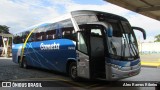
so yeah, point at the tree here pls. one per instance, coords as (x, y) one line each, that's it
(4, 29)
(157, 38)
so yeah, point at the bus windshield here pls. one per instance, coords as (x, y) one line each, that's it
(123, 42)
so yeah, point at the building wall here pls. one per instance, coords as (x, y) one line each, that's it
(149, 48)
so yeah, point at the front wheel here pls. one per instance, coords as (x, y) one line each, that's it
(73, 71)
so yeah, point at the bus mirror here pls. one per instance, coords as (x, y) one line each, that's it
(142, 30)
(110, 32)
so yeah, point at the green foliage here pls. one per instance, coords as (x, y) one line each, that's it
(4, 29)
(157, 38)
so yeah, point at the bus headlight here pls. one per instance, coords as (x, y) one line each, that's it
(116, 66)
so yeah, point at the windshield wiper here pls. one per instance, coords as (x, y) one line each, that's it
(128, 45)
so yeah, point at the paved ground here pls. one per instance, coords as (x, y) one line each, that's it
(11, 71)
(152, 60)
(150, 57)
(146, 74)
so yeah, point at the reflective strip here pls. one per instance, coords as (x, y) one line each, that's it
(24, 45)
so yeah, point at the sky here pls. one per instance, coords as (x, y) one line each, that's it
(20, 14)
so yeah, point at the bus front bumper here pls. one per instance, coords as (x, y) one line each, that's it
(115, 72)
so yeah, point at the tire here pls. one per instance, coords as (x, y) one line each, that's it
(23, 63)
(73, 71)
(20, 64)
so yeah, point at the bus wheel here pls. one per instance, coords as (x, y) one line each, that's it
(24, 63)
(73, 71)
(20, 64)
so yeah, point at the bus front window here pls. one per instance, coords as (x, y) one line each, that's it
(123, 42)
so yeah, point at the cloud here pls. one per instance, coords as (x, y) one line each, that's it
(147, 23)
(150, 25)
(19, 15)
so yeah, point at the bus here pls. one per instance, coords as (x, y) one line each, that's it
(83, 43)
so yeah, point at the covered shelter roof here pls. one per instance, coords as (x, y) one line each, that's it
(150, 8)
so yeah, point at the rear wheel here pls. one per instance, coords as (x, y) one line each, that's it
(20, 64)
(23, 63)
(73, 71)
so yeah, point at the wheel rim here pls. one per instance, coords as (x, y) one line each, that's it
(73, 71)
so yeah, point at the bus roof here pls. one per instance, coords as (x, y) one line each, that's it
(92, 12)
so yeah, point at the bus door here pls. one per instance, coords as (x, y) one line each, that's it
(82, 55)
(90, 50)
(97, 57)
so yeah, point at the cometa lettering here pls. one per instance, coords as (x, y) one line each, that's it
(53, 46)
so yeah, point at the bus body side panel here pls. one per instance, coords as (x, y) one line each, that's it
(16, 51)
(50, 54)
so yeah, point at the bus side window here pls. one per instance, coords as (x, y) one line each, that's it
(24, 36)
(50, 34)
(38, 36)
(81, 43)
(68, 31)
(17, 39)
(44, 36)
(31, 37)
(67, 34)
